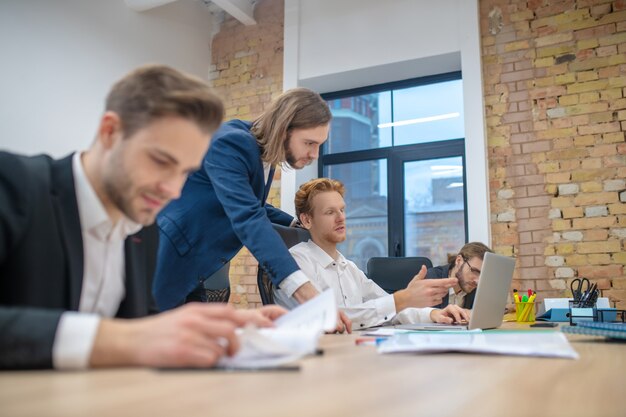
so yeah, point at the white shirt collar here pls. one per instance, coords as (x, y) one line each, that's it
(93, 216)
(322, 258)
(266, 171)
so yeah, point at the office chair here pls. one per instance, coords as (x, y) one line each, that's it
(217, 286)
(291, 236)
(393, 274)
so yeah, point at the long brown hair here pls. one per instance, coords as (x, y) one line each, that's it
(299, 108)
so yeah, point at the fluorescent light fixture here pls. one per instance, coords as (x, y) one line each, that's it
(420, 120)
(455, 185)
(445, 167)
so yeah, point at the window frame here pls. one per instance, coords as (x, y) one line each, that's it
(397, 155)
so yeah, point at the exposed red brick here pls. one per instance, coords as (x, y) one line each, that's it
(576, 99)
(249, 60)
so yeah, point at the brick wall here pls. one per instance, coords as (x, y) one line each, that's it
(555, 96)
(247, 73)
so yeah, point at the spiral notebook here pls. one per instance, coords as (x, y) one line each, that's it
(594, 328)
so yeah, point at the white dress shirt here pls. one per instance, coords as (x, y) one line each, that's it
(363, 301)
(455, 298)
(103, 286)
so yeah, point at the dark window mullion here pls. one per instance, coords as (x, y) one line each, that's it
(355, 156)
(394, 85)
(465, 197)
(395, 204)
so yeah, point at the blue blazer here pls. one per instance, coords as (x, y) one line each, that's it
(222, 208)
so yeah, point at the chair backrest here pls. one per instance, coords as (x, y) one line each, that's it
(393, 274)
(291, 236)
(217, 286)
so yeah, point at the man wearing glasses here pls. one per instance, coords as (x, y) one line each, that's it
(465, 267)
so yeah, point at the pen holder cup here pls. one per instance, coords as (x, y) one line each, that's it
(525, 312)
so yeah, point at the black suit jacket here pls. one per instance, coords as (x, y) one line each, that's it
(442, 271)
(41, 259)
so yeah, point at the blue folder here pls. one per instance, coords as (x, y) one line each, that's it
(554, 314)
(561, 314)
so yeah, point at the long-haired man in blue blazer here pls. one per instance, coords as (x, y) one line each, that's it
(223, 205)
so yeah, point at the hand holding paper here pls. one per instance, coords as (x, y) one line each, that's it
(295, 335)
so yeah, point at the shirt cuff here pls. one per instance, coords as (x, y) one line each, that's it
(413, 315)
(424, 314)
(294, 281)
(386, 307)
(74, 340)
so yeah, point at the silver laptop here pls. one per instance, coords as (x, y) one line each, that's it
(491, 295)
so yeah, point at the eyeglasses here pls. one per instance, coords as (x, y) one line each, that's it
(473, 270)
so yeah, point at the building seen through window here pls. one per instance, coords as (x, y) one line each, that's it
(399, 150)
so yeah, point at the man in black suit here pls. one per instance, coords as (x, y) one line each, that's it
(75, 259)
(466, 267)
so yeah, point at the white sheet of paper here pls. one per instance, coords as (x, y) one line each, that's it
(261, 348)
(548, 344)
(296, 334)
(384, 332)
(319, 312)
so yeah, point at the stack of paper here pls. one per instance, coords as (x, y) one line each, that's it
(295, 335)
(526, 343)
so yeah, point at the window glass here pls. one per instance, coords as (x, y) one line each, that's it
(434, 219)
(355, 123)
(366, 209)
(427, 113)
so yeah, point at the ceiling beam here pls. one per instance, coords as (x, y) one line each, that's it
(242, 10)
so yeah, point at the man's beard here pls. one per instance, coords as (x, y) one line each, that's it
(331, 237)
(291, 159)
(462, 284)
(118, 187)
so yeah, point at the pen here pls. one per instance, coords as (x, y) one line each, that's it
(594, 297)
(583, 299)
(526, 306)
(515, 296)
(587, 296)
(279, 368)
(369, 340)
(523, 307)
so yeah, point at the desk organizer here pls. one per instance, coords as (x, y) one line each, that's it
(577, 315)
(525, 312)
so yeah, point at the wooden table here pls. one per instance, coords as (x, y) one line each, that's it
(347, 380)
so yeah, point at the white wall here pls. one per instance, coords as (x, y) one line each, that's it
(59, 58)
(334, 45)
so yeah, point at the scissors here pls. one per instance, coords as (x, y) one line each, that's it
(579, 286)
